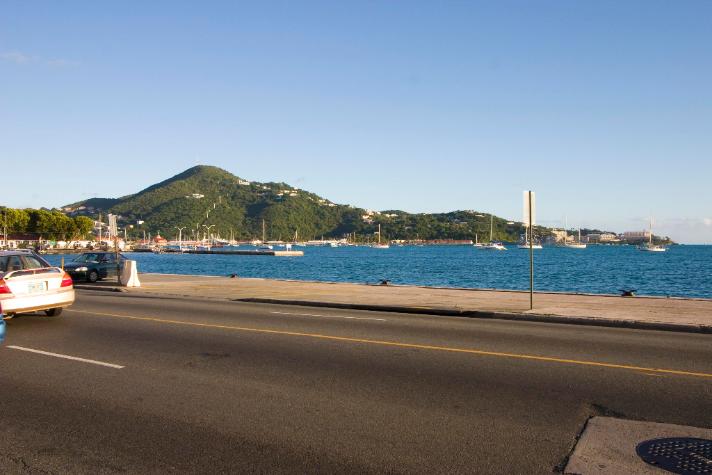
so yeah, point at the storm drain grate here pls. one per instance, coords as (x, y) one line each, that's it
(682, 455)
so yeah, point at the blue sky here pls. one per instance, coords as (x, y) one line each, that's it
(604, 108)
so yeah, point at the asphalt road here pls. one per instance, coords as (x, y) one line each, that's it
(215, 386)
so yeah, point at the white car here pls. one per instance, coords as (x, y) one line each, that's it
(28, 283)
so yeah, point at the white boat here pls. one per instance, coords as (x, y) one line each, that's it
(652, 248)
(378, 245)
(477, 243)
(575, 244)
(492, 245)
(649, 246)
(525, 243)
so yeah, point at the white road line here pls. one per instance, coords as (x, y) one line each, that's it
(329, 316)
(66, 357)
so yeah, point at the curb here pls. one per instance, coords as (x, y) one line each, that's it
(530, 317)
(102, 289)
(445, 312)
(437, 287)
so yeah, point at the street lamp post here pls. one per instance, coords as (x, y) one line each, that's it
(207, 230)
(180, 237)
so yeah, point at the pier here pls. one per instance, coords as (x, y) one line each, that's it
(243, 252)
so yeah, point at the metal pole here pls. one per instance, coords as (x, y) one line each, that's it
(116, 256)
(531, 256)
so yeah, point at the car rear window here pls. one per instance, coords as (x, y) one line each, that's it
(10, 263)
(32, 262)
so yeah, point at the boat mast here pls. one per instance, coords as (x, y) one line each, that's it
(566, 229)
(379, 234)
(263, 231)
(491, 226)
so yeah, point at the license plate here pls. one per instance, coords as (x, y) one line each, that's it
(36, 287)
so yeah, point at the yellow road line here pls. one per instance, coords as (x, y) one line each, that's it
(407, 345)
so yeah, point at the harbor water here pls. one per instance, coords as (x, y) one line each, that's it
(682, 271)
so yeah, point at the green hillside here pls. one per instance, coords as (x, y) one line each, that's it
(209, 196)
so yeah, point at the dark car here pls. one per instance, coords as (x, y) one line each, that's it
(92, 266)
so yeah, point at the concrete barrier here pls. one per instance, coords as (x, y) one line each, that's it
(129, 275)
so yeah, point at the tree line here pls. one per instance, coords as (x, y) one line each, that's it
(47, 224)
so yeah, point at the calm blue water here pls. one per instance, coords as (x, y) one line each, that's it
(684, 271)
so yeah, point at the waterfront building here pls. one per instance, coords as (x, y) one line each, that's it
(602, 237)
(637, 236)
(559, 235)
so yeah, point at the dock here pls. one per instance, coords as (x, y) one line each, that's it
(243, 252)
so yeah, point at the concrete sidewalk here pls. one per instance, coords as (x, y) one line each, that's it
(692, 315)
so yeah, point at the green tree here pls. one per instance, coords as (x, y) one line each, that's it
(83, 226)
(15, 220)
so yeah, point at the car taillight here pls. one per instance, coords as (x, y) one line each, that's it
(66, 280)
(4, 289)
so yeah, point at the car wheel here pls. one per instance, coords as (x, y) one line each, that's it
(93, 276)
(53, 312)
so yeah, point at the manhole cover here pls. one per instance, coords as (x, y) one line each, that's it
(681, 455)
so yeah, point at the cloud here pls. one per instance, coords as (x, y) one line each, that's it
(18, 57)
(60, 63)
(686, 230)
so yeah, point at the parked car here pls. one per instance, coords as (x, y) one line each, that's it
(92, 266)
(28, 283)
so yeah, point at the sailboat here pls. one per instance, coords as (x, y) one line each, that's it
(649, 246)
(477, 243)
(574, 244)
(264, 246)
(378, 245)
(493, 245)
(525, 244)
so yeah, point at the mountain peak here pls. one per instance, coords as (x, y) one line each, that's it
(206, 170)
(205, 195)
